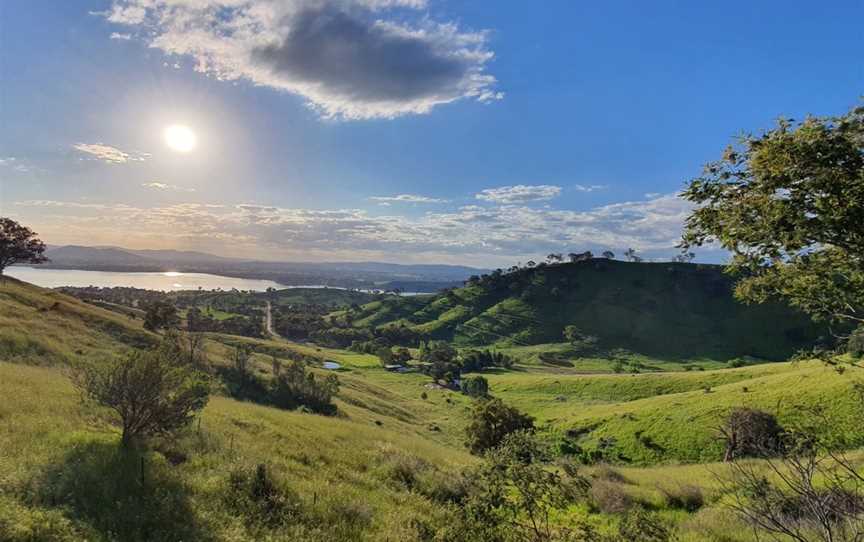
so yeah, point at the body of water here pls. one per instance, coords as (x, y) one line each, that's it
(168, 281)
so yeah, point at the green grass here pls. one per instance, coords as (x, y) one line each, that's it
(670, 311)
(62, 476)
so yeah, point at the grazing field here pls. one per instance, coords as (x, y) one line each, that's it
(387, 465)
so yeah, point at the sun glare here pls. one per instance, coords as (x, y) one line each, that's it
(180, 138)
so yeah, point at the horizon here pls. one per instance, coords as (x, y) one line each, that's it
(439, 133)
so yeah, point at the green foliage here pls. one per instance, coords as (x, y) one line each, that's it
(751, 433)
(513, 494)
(161, 314)
(789, 204)
(613, 304)
(151, 393)
(855, 345)
(477, 360)
(296, 387)
(19, 244)
(491, 422)
(260, 500)
(475, 386)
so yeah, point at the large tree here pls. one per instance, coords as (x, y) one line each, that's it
(789, 205)
(19, 244)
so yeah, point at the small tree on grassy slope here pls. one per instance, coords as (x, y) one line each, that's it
(491, 422)
(152, 393)
(789, 205)
(19, 244)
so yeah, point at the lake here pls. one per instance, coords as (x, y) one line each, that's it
(53, 278)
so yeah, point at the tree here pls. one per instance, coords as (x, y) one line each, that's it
(161, 314)
(789, 205)
(240, 359)
(295, 387)
(554, 258)
(685, 257)
(608, 254)
(150, 392)
(749, 433)
(385, 354)
(475, 386)
(806, 493)
(491, 421)
(573, 334)
(19, 244)
(631, 255)
(855, 345)
(514, 496)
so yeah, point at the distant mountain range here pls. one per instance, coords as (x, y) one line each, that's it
(413, 277)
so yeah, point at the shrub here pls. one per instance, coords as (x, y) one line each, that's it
(751, 432)
(855, 346)
(686, 497)
(491, 421)
(475, 386)
(295, 388)
(260, 499)
(609, 498)
(150, 392)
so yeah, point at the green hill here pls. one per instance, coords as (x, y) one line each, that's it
(666, 310)
(382, 469)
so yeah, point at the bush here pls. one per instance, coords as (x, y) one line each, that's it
(685, 497)
(609, 498)
(152, 393)
(260, 499)
(855, 346)
(295, 387)
(475, 386)
(491, 422)
(751, 432)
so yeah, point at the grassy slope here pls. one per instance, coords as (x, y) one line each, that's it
(59, 474)
(669, 310)
(44, 327)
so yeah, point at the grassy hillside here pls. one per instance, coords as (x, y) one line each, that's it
(668, 310)
(44, 327)
(382, 469)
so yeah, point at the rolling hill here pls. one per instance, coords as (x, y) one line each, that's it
(382, 469)
(666, 310)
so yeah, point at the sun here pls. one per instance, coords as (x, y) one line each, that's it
(180, 138)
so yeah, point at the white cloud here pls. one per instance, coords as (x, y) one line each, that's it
(15, 165)
(589, 187)
(109, 154)
(121, 37)
(155, 185)
(348, 59)
(472, 233)
(406, 198)
(519, 193)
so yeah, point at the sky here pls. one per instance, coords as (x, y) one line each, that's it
(475, 132)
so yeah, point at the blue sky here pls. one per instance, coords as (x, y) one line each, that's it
(400, 130)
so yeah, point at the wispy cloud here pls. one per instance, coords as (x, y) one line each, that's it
(121, 37)
(589, 187)
(519, 193)
(15, 164)
(167, 187)
(109, 154)
(406, 198)
(505, 233)
(356, 59)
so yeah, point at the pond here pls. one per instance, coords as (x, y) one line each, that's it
(331, 365)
